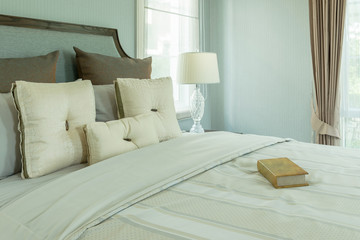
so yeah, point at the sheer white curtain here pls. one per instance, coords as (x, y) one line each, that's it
(350, 77)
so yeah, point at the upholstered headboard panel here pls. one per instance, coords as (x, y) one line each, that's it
(24, 37)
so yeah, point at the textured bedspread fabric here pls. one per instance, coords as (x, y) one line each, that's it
(233, 201)
(65, 207)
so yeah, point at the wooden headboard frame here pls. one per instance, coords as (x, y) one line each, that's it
(63, 27)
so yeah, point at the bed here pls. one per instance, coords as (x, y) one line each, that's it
(194, 186)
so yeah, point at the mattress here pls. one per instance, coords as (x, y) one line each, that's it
(220, 198)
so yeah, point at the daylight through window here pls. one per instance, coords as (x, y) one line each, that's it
(167, 28)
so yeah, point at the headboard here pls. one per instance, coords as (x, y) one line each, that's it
(26, 37)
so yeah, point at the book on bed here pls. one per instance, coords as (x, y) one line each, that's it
(282, 172)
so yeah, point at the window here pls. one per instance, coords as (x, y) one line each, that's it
(167, 28)
(350, 77)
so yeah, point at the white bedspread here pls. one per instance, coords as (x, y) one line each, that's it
(230, 201)
(66, 206)
(234, 201)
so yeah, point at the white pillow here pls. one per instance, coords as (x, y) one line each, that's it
(9, 137)
(105, 140)
(139, 96)
(105, 103)
(52, 117)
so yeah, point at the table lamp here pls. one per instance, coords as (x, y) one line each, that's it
(197, 68)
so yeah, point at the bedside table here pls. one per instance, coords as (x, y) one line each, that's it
(206, 130)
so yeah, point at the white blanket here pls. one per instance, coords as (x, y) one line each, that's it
(234, 201)
(65, 207)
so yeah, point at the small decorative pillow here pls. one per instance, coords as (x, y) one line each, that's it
(112, 138)
(9, 137)
(35, 69)
(149, 95)
(52, 117)
(102, 69)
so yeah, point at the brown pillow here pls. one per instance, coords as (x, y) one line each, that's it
(34, 69)
(101, 69)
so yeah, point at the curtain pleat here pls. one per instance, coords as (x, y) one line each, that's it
(326, 33)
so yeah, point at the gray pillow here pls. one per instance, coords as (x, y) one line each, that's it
(101, 69)
(10, 159)
(105, 103)
(33, 69)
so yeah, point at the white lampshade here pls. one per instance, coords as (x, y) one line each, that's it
(198, 68)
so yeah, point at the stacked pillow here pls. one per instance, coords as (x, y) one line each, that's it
(57, 121)
(9, 137)
(139, 96)
(35, 69)
(52, 117)
(112, 138)
(148, 108)
(105, 103)
(102, 71)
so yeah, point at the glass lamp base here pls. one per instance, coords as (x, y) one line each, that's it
(197, 110)
(197, 128)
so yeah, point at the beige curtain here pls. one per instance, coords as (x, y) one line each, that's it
(326, 32)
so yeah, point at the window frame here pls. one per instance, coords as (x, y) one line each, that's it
(348, 113)
(182, 110)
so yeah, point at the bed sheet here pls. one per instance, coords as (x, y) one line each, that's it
(12, 187)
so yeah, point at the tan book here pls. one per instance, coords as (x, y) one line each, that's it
(282, 172)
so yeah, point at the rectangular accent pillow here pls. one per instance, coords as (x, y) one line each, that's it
(9, 137)
(108, 139)
(102, 69)
(34, 69)
(139, 96)
(52, 117)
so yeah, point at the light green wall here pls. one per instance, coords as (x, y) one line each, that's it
(105, 13)
(264, 58)
(263, 51)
